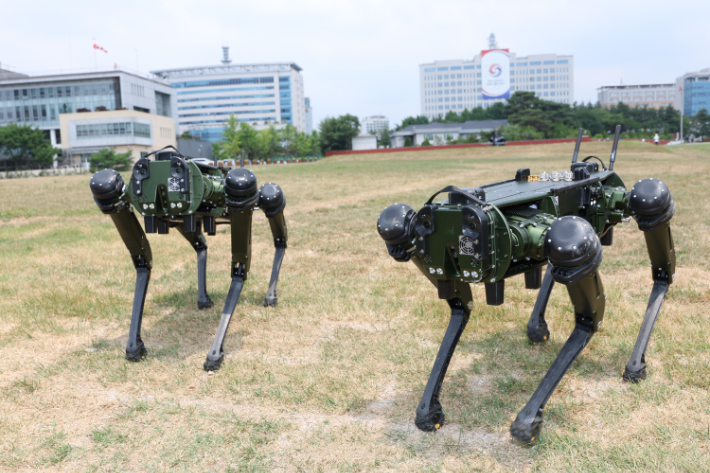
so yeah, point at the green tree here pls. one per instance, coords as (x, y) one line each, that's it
(186, 135)
(426, 142)
(385, 139)
(407, 142)
(237, 137)
(26, 146)
(108, 159)
(409, 121)
(337, 133)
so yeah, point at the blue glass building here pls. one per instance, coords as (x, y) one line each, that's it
(259, 94)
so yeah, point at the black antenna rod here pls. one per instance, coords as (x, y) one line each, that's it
(612, 158)
(576, 145)
(242, 158)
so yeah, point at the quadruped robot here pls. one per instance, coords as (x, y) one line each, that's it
(493, 232)
(173, 191)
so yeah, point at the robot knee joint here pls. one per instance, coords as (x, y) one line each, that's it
(651, 204)
(395, 226)
(271, 199)
(573, 249)
(106, 186)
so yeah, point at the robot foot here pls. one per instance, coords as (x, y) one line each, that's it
(205, 304)
(213, 365)
(634, 376)
(432, 421)
(539, 334)
(270, 301)
(137, 355)
(526, 432)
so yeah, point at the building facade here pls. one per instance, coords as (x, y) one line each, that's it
(259, 94)
(122, 130)
(647, 95)
(455, 85)
(40, 100)
(442, 133)
(693, 92)
(374, 125)
(309, 117)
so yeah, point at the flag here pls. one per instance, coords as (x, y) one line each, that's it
(96, 46)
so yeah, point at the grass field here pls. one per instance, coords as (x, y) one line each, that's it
(330, 378)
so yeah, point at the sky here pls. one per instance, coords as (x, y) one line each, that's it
(360, 57)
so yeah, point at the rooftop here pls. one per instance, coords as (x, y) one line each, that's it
(227, 69)
(466, 127)
(75, 74)
(641, 86)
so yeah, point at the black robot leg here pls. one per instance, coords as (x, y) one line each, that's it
(242, 196)
(107, 187)
(273, 202)
(575, 253)
(430, 415)
(537, 326)
(652, 206)
(199, 243)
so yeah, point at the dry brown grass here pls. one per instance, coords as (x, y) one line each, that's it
(329, 379)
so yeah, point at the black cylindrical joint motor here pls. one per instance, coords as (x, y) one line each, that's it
(652, 206)
(575, 253)
(271, 199)
(107, 186)
(396, 229)
(240, 187)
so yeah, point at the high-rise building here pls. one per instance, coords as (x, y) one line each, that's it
(693, 92)
(456, 85)
(39, 100)
(647, 95)
(309, 117)
(374, 125)
(259, 94)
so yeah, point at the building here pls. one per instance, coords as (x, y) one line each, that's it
(364, 142)
(259, 94)
(122, 130)
(647, 95)
(441, 133)
(194, 148)
(693, 92)
(40, 100)
(374, 125)
(309, 117)
(456, 85)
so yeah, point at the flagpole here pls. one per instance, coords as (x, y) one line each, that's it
(96, 67)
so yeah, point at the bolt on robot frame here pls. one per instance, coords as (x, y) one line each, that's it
(562, 219)
(173, 191)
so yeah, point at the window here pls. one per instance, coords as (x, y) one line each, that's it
(469, 67)
(446, 76)
(429, 69)
(562, 61)
(544, 71)
(442, 68)
(548, 62)
(521, 64)
(534, 63)
(455, 68)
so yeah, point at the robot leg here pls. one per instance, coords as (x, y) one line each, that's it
(652, 206)
(537, 326)
(107, 187)
(199, 243)
(272, 202)
(574, 252)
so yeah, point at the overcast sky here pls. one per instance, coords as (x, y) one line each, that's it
(361, 57)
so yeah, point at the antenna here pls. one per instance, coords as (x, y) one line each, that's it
(576, 145)
(492, 44)
(242, 159)
(612, 158)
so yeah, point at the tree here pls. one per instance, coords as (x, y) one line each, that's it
(337, 133)
(385, 139)
(407, 142)
(108, 159)
(426, 142)
(237, 137)
(186, 135)
(409, 121)
(26, 145)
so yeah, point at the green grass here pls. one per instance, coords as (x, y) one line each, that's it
(330, 378)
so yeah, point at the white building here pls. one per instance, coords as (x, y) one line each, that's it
(647, 95)
(259, 94)
(374, 125)
(364, 142)
(39, 100)
(455, 85)
(442, 133)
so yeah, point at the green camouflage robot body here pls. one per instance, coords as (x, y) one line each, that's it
(490, 233)
(174, 192)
